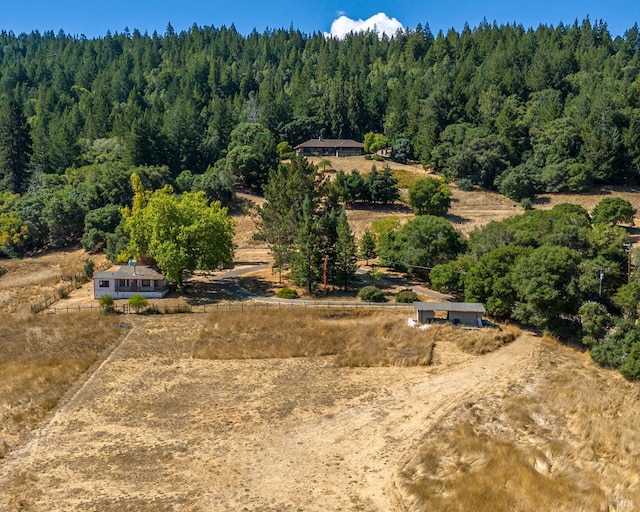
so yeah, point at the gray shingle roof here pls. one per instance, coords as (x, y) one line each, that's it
(463, 307)
(129, 272)
(331, 143)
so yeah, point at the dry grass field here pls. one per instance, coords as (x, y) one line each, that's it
(298, 414)
(41, 357)
(32, 279)
(309, 409)
(565, 438)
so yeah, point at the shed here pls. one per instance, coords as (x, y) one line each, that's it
(130, 280)
(330, 147)
(465, 313)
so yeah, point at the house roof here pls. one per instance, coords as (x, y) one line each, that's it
(130, 272)
(460, 307)
(331, 143)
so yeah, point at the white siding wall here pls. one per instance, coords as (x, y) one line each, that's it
(99, 291)
(147, 292)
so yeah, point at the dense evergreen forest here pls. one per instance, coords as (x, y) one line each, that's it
(517, 110)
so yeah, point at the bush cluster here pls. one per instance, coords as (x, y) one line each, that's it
(406, 296)
(287, 293)
(107, 303)
(371, 294)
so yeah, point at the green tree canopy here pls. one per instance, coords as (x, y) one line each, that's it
(367, 247)
(252, 154)
(307, 260)
(546, 285)
(375, 142)
(627, 298)
(346, 253)
(430, 196)
(182, 234)
(285, 192)
(15, 146)
(613, 210)
(421, 242)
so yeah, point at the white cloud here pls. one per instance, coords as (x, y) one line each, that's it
(380, 23)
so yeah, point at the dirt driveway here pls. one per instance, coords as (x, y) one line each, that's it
(154, 429)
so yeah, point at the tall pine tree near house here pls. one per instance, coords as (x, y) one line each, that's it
(281, 213)
(346, 253)
(15, 147)
(307, 261)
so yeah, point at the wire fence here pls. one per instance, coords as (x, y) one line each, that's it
(159, 309)
(64, 290)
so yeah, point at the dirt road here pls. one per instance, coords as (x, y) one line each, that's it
(154, 429)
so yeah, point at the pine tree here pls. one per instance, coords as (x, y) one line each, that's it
(346, 253)
(15, 148)
(367, 249)
(306, 265)
(281, 213)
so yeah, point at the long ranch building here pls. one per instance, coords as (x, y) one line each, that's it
(330, 147)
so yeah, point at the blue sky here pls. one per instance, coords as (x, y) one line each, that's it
(94, 17)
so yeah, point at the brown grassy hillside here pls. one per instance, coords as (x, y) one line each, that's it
(565, 439)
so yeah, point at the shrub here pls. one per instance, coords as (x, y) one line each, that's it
(63, 293)
(526, 203)
(464, 184)
(371, 294)
(3, 270)
(613, 350)
(375, 273)
(287, 293)
(152, 310)
(106, 303)
(89, 268)
(631, 367)
(137, 302)
(406, 296)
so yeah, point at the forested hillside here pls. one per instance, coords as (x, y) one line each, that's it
(518, 110)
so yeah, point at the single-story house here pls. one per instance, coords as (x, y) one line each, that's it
(330, 147)
(130, 280)
(465, 313)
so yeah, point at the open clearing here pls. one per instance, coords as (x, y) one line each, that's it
(155, 429)
(530, 426)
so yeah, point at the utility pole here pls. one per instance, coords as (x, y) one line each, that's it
(324, 272)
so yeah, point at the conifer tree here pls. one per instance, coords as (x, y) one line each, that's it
(345, 253)
(285, 193)
(15, 147)
(367, 248)
(306, 265)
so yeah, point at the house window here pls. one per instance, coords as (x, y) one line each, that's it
(146, 282)
(103, 284)
(124, 282)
